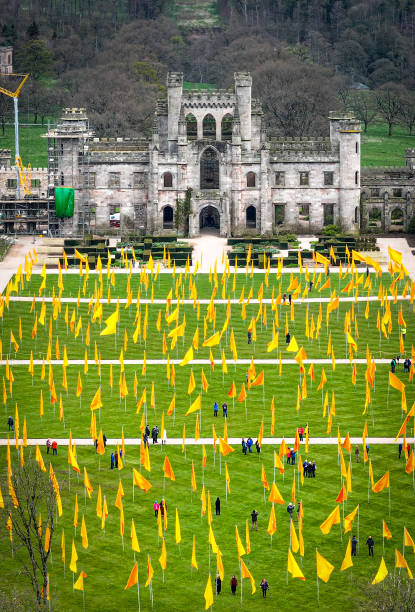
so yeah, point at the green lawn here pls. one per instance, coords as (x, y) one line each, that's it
(108, 566)
(106, 563)
(33, 148)
(379, 149)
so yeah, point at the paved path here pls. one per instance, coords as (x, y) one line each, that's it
(114, 300)
(191, 441)
(230, 362)
(14, 258)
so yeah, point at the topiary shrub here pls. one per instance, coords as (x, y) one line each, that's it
(331, 230)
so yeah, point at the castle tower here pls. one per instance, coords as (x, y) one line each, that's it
(345, 132)
(174, 102)
(6, 60)
(243, 86)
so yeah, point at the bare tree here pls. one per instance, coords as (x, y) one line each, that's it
(394, 594)
(364, 107)
(31, 539)
(388, 101)
(408, 109)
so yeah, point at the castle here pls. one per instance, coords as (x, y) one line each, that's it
(215, 143)
(210, 149)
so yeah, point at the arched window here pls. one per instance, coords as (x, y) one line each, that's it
(250, 179)
(209, 169)
(209, 127)
(251, 216)
(167, 217)
(167, 179)
(191, 127)
(226, 128)
(62, 179)
(397, 217)
(357, 214)
(357, 147)
(356, 177)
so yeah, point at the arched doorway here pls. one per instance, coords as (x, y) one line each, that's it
(167, 217)
(251, 217)
(209, 169)
(209, 127)
(209, 220)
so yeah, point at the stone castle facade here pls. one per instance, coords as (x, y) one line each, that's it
(211, 147)
(214, 142)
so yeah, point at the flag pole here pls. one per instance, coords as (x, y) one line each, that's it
(240, 564)
(138, 591)
(318, 591)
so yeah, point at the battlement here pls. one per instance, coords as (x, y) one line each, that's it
(12, 171)
(298, 144)
(74, 114)
(243, 79)
(174, 79)
(97, 145)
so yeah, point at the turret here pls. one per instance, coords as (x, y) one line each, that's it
(174, 102)
(243, 86)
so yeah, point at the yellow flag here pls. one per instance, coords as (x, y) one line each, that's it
(347, 561)
(324, 567)
(293, 567)
(208, 595)
(332, 519)
(196, 405)
(178, 532)
(74, 558)
(381, 573)
(401, 562)
(163, 556)
(239, 545)
(194, 561)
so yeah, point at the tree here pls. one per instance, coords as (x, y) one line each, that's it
(394, 594)
(364, 107)
(36, 497)
(389, 105)
(408, 109)
(36, 59)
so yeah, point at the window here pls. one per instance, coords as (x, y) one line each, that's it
(397, 217)
(114, 180)
(328, 214)
(279, 214)
(356, 214)
(209, 127)
(397, 193)
(227, 127)
(328, 178)
(374, 192)
(279, 179)
(114, 209)
(356, 177)
(357, 147)
(304, 212)
(167, 217)
(250, 179)
(35, 182)
(62, 179)
(167, 179)
(191, 127)
(251, 216)
(209, 169)
(11, 183)
(89, 180)
(139, 179)
(304, 178)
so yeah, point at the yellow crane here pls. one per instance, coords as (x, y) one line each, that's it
(20, 172)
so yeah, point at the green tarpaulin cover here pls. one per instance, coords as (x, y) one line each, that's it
(64, 201)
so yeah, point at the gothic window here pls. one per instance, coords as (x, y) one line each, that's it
(328, 178)
(227, 127)
(250, 179)
(114, 180)
(167, 217)
(11, 183)
(375, 192)
(62, 179)
(304, 178)
(209, 169)
(357, 147)
(209, 127)
(191, 127)
(251, 216)
(328, 214)
(167, 179)
(356, 177)
(279, 179)
(397, 193)
(279, 214)
(397, 216)
(35, 182)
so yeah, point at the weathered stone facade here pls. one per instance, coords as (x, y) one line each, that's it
(214, 142)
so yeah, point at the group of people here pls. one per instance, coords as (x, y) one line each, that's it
(51, 445)
(248, 444)
(395, 360)
(234, 583)
(224, 409)
(154, 435)
(309, 468)
(114, 459)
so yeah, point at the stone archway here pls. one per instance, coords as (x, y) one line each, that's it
(209, 220)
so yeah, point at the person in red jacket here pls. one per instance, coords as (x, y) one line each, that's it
(301, 433)
(54, 448)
